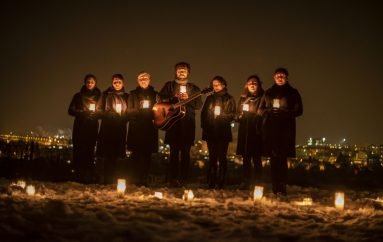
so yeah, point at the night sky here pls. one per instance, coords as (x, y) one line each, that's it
(332, 49)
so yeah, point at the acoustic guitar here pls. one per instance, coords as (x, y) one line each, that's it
(166, 114)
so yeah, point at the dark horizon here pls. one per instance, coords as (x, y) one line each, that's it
(332, 50)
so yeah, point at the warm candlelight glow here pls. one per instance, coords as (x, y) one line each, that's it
(121, 186)
(92, 107)
(118, 108)
(339, 200)
(258, 192)
(188, 195)
(158, 195)
(245, 107)
(307, 201)
(217, 110)
(21, 183)
(276, 103)
(30, 190)
(182, 89)
(145, 104)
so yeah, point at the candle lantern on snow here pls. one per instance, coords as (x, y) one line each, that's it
(258, 193)
(339, 200)
(188, 195)
(158, 195)
(30, 189)
(121, 186)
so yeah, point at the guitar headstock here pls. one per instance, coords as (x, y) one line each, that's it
(207, 91)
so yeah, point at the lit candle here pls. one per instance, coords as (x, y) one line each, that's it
(188, 195)
(258, 193)
(158, 195)
(307, 201)
(121, 186)
(217, 110)
(92, 107)
(145, 104)
(339, 200)
(182, 89)
(30, 190)
(276, 103)
(21, 183)
(245, 107)
(118, 107)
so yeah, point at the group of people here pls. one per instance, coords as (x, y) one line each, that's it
(266, 127)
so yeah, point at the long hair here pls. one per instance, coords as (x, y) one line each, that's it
(259, 84)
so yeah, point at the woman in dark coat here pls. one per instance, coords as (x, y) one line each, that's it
(282, 104)
(142, 136)
(111, 144)
(217, 114)
(249, 132)
(85, 129)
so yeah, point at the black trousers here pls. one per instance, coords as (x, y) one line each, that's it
(216, 174)
(279, 173)
(252, 168)
(83, 163)
(141, 167)
(179, 168)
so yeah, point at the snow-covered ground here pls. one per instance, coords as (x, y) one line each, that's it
(75, 212)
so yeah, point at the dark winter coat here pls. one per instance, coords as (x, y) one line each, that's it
(218, 128)
(183, 131)
(141, 133)
(85, 127)
(279, 127)
(113, 129)
(250, 124)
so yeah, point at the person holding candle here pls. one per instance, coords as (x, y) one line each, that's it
(111, 146)
(217, 113)
(142, 136)
(281, 104)
(249, 142)
(85, 129)
(180, 136)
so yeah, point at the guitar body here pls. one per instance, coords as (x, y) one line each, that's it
(165, 115)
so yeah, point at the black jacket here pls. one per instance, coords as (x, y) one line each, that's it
(141, 133)
(113, 129)
(279, 128)
(183, 131)
(218, 128)
(250, 124)
(85, 126)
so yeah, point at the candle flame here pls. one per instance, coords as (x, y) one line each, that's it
(158, 195)
(145, 104)
(188, 195)
(258, 192)
(118, 108)
(121, 186)
(217, 110)
(92, 107)
(30, 190)
(245, 107)
(339, 200)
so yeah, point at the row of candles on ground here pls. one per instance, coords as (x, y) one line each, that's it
(189, 195)
(257, 196)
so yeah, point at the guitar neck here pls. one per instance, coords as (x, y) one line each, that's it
(191, 98)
